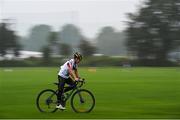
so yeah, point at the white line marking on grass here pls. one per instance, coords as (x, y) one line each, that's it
(8, 70)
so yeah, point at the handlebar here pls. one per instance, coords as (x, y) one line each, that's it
(80, 82)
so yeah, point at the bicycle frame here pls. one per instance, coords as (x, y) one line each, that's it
(71, 92)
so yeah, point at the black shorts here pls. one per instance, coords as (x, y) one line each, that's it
(68, 81)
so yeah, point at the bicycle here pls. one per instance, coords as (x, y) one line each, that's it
(82, 100)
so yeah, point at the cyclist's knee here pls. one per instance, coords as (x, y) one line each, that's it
(74, 85)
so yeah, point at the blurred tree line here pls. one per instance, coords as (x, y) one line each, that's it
(154, 30)
(8, 40)
(63, 42)
(151, 34)
(70, 39)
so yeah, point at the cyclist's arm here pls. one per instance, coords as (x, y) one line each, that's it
(71, 71)
(76, 73)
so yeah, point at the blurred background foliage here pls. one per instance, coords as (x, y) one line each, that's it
(150, 39)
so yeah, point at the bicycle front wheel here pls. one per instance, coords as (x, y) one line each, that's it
(47, 101)
(82, 101)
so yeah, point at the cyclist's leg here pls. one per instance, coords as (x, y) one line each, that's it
(71, 84)
(60, 88)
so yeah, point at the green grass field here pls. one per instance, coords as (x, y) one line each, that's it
(119, 92)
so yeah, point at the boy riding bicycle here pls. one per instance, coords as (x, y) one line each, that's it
(68, 70)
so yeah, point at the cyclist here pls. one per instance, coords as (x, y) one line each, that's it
(68, 74)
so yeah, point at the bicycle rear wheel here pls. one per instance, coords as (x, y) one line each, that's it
(82, 101)
(47, 101)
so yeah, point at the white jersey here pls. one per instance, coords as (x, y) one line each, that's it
(64, 72)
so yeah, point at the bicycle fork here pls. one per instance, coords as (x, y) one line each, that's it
(81, 98)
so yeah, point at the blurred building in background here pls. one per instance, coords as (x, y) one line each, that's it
(22, 55)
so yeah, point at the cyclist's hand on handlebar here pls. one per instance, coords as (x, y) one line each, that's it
(76, 79)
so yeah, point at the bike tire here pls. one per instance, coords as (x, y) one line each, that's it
(47, 101)
(87, 96)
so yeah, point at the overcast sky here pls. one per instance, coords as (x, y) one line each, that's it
(88, 15)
